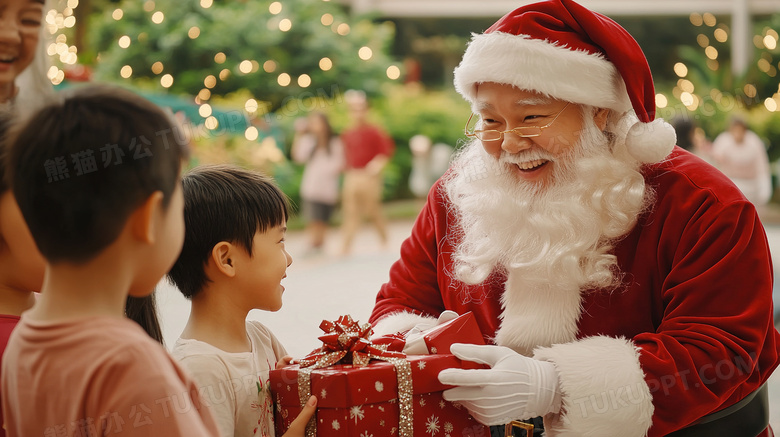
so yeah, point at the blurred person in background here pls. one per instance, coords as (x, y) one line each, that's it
(741, 155)
(367, 150)
(317, 147)
(692, 138)
(429, 162)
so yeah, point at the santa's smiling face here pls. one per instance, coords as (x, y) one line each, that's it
(502, 107)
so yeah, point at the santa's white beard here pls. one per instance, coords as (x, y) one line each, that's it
(552, 240)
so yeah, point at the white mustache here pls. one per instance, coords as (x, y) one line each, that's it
(525, 156)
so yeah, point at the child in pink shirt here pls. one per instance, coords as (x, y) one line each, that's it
(96, 177)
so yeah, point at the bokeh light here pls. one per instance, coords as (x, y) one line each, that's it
(365, 53)
(393, 72)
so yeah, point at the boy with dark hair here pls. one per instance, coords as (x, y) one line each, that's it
(96, 177)
(232, 262)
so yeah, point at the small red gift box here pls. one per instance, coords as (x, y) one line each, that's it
(397, 396)
(363, 401)
(462, 329)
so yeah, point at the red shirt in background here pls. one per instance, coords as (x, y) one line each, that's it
(363, 143)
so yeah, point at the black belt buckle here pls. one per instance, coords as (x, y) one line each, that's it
(509, 430)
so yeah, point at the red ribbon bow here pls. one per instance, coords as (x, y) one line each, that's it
(346, 341)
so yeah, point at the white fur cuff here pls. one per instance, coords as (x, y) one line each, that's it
(400, 321)
(603, 387)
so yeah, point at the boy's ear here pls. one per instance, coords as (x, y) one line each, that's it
(222, 258)
(142, 221)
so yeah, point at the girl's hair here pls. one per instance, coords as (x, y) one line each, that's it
(143, 310)
(327, 136)
(223, 203)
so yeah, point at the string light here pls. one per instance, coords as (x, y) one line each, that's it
(721, 35)
(245, 67)
(251, 133)
(680, 69)
(275, 8)
(269, 66)
(117, 14)
(661, 101)
(211, 123)
(126, 71)
(365, 53)
(157, 67)
(283, 79)
(304, 80)
(393, 72)
(326, 64)
(158, 17)
(285, 25)
(124, 41)
(220, 58)
(166, 81)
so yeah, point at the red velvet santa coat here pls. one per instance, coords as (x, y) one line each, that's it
(690, 333)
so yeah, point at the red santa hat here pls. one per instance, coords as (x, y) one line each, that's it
(568, 52)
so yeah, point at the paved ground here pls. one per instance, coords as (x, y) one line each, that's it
(327, 286)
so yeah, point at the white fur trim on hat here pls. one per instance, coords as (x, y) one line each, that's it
(603, 388)
(400, 321)
(651, 142)
(536, 65)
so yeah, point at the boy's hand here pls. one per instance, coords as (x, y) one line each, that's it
(284, 361)
(298, 426)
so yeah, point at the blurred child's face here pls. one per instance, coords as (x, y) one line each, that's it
(167, 246)
(260, 275)
(23, 266)
(20, 23)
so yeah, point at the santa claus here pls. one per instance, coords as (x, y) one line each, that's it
(625, 284)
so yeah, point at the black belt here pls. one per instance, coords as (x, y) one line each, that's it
(747, 418)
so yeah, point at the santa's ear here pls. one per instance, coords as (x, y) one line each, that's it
(600, 118)
(222, 258)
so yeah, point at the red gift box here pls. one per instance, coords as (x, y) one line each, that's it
(397, 396)
(462, 329)
(363, 401)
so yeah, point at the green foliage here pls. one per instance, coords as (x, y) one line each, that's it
(243, 30)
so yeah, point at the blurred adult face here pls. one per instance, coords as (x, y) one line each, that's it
(738, 132)
(20, 24)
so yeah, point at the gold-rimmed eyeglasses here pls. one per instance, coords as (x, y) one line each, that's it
(521, 131)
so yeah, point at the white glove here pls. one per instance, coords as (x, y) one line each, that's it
(515, 388)
(415, 341)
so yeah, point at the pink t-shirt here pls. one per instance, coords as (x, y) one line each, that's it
(96, 376)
